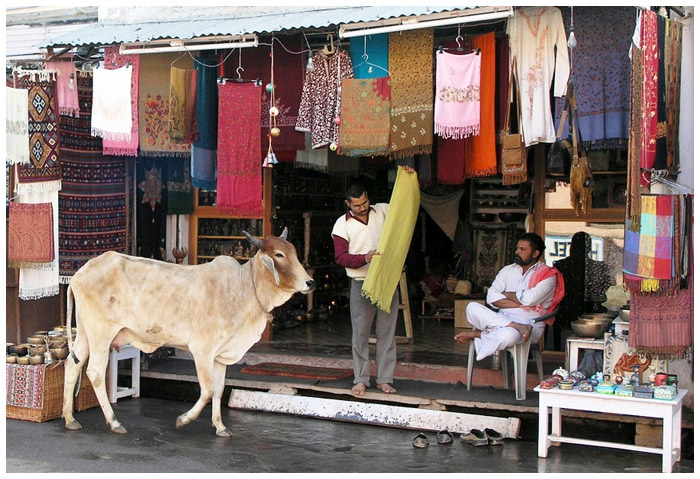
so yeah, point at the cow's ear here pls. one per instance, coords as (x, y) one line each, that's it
(270, 264)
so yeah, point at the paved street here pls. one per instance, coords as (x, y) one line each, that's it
(274, 443)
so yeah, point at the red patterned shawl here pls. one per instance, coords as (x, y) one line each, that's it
(450, 161)
(239, 173)
(30, 237)
(650, 50)
(114, 60)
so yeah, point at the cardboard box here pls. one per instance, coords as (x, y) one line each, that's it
(461, 312)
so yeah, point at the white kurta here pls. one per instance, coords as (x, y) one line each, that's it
(534, 33)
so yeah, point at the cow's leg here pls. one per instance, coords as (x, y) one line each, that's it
(219, 384)
(205, 375)
(96, 371)
(81, 351)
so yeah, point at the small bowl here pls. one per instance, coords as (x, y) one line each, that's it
(589, 329)
(40, 333)
(624, 315)
(59, 353)
(11, 359)
(23, 360)
(37, 349)
(509, 217)
(484, 217)
(19, 350)
(36, 359)
(36, 339)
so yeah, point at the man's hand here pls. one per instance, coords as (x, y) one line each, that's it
(409, 169)
(371, 254)
(510, 301)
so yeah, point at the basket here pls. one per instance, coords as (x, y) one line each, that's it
(53, 396)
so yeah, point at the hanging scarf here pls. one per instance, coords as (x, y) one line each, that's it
(480, 150)
(457, 93)
(182, 122)
(364, 117)
(502, 94)
(385, 270)
(343, 166)
(443, 210)
(313, 159)
(42, 173)
(540, 274)
(239, 175)
(674, 45)
(650, 55)
(111, 103)
(411, 67)
(633, 204)
(154, 112)
(450, 161)
(114, 60)
(66, 94)
(16, 126)
(661, 154)
(180, 192)
(203, 165)
(41, 283)
(30, 236)
(377, 50)
(75, 132)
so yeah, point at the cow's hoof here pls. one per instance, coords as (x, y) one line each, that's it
(73, 425)
(181, 421)
(225, 432)
(119, 430)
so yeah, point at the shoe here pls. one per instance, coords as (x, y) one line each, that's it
(494, 437)
(444, 437)
(475, 437)
(421, 441)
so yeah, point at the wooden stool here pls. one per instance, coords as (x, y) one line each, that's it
(115, 392)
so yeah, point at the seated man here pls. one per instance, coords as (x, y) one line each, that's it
(521, 291)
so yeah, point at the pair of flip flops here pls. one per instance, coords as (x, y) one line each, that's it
(443, 437)
(476, 437)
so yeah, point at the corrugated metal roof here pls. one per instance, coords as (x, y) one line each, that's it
(110, 33)
(19, 39)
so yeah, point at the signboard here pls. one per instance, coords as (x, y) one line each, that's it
(557, 247)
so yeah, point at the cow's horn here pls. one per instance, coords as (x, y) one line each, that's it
(284, 233)
(254, 241)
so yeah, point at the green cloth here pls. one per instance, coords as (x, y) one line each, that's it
(385, 269)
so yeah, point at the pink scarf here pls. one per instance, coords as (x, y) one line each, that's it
(457, 95)
(540, 274)
(66, 95)
(239, 172)
(130, 147)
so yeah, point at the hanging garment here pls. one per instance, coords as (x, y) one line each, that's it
(41, 283)
(66, 91)
(411, 67)
(385, 269)
(633, 203)
(480, 150)
(457, 85)
(180, 192)
(16, 125)
(450, 161)
(377, 51)
(182, 122)
(111, 104)
(239, 173)
(320, 99)
(649, 102)
(343, 166)
(601, 66)
(535, 33)
(661, 154)
(43, 172)
(203, 163)
(312, 159)
(674, 44)
(365, 117)
(113, 61)
(443, 210)
(154, 91)
(30, 238)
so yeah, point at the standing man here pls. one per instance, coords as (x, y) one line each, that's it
(521, 292)
(355, 238)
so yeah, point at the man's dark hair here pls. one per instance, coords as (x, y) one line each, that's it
(536, 242)
(355, 190)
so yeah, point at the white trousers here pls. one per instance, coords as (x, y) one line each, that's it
(495, 333)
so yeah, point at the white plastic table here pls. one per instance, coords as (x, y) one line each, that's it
(557, 399)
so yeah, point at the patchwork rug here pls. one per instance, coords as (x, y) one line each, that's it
(297, 371)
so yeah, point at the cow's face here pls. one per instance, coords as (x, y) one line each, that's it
(280, 257)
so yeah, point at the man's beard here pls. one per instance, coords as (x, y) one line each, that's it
(522, 262)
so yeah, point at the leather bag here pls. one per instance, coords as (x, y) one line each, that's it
(513, 150)
(581, 176)
(561, 151)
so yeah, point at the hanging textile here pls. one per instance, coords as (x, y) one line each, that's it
(24, 386)
(493, 249)
(42, 173)
(111, 104)
(633, 204)
(239, 175)
(182, 122)
(41, 283)
(30, 238)
(385, 270)
(180, 192)
(345, 166)
(650, 61)
(154, 94)
(364, 117)
(151, 206)
(113, 61)
(411, 67)
(203, 163)
(16, 125)
(377, 51)
(75, 132)
(661, 154)
(457, 85)
(424, 168)
(444, 210)
(313, 159)
(66, 91)
(674, 44)
(450, 161)
(502, 94)
(536, 33)
(480, 150)
(320, 100)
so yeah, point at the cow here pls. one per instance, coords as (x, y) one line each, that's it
(216, 311)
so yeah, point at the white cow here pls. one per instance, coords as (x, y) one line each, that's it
(216, 311)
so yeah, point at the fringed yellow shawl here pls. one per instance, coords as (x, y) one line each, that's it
(385, 269)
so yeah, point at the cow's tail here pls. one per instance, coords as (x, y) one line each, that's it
(69, 332)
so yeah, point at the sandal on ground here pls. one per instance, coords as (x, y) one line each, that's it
(421, 441)
(444, 437)
(386, 388)
(475, 437)
(494, 437)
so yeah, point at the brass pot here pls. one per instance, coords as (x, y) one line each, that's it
(23, 360)
(37, 349)
(59, 353)
(36, 359)
(11, 358)
(36, 339)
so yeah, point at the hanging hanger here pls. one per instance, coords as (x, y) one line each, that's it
(659, 176)
(182, 55)
(459, 39)
(365, 61)
(239, 70)
(329, 48)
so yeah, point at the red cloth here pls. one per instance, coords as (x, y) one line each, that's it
(450, 161)
(239, 173)
(542, 273)
(30, 234)
(650, 51)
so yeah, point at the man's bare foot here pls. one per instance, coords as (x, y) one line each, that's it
(359, 389)
(524, 329)
(466, 336)
(386, 387)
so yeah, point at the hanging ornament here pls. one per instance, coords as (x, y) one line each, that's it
(337, 120)
(333, 146)
(572, 38)
(310, 63)
(270, 159)
(270, 87)
(275, 132)
(274, 111)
